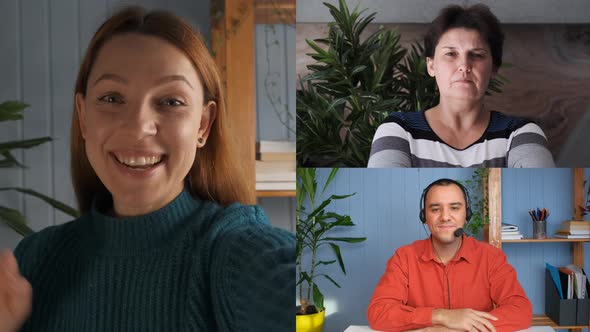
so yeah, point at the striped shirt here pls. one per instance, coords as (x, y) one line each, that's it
(407, 140)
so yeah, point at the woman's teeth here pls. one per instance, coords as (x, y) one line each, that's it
(139, 161)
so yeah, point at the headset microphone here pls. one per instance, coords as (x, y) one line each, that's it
(458, 232)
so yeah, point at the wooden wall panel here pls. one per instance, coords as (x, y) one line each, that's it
(549, 78)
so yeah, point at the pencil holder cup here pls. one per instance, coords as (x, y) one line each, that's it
(539, 229)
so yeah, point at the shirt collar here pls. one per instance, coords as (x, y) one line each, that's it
(466, 251)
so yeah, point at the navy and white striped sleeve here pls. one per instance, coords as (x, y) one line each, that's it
(391, 147)
(528, 148)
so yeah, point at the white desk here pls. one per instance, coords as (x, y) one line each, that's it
(358, 328)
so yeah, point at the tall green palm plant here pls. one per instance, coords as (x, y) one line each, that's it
(313, 228)
(11, 111)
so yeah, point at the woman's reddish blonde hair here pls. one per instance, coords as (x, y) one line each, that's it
(215, 174)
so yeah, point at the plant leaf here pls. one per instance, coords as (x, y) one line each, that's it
(11, 110)
(9, 161)
(346, 239)
(332, 280)
(325, 262)
(54, 203)
(318, 298)
(23, 144)
(336, 250)
(15, 220)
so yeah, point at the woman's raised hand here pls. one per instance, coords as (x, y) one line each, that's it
(16, 294)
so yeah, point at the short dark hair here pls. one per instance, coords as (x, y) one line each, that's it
(477, 17)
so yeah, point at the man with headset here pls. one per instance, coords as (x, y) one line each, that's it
(448, 282)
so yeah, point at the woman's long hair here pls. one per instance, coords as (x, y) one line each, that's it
(215, 174)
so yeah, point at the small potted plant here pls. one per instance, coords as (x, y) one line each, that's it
(314, 223)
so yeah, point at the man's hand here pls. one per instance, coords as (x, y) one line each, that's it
(15, 294)
(464, 319)
(437, 328)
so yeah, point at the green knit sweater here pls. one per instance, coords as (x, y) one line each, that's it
(190, 266)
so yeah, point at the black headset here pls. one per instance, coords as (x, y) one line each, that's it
(444, 182)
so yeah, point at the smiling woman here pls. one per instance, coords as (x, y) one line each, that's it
(463, 51)
(163, 243)
(142, 117)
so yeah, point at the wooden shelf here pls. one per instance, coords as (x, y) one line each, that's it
(542, 320)
(275, 12)
(553, 239)
(275, 193)
(493, 231)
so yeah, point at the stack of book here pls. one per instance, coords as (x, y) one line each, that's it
(275, 165)
(574, 230)
(510, 232)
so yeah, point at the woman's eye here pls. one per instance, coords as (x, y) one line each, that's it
(171, 102)
(111, 99)
(477, 55)
(450, 54)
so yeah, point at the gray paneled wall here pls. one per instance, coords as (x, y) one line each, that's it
(275, 103)
(41, 45)
(275, 82)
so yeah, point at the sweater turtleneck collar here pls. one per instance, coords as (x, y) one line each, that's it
(107, 235)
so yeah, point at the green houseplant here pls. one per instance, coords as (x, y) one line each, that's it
(479, 201)
(353, 85)
(314, 223)
(10, 111)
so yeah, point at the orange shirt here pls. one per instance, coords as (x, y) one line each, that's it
(478, 277)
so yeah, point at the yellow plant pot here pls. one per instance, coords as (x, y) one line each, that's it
(310, 323)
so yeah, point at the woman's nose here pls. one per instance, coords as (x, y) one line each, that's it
(465, 66)
(141, 121)
(464, 69)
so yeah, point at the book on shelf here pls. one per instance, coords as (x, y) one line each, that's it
(275, 150)
(574, 236)
(512, 237)
(275, 171)
(575, 225)
(509, 227)
(574, 232)
(567, 282)
(580, 281)
(287, 185)
(510, 232)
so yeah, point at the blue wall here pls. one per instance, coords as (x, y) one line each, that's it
(385, 210)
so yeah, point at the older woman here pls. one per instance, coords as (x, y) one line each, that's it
(163, 243)
(463, 52)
